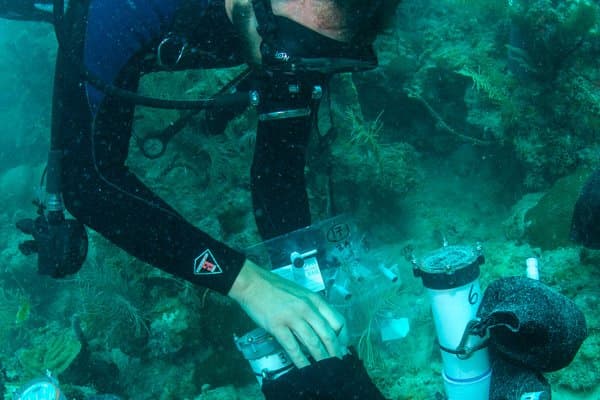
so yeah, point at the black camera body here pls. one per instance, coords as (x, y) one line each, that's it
(61, 244)
(66, 250)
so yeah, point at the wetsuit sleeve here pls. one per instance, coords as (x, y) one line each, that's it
(101, 192)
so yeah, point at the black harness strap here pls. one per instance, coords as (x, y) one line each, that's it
(200, 36)
(267, 28)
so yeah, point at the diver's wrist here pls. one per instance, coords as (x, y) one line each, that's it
(249, 273)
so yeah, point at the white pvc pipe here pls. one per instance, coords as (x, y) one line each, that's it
(535, 396)
(341, 291)
(533, 268)
(469, 378)
(388, 273)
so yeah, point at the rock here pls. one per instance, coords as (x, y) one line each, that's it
(547, 224)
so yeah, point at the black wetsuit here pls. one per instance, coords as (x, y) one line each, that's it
(116, 39)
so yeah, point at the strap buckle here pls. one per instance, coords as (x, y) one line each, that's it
(475, 337)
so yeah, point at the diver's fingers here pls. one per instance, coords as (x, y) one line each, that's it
(330, 326)
(307, 335)
(290, 345)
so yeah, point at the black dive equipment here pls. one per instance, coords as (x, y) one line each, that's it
(223, 101)
(297, 61)
(154, 144)
(61, 243)
(286, 47)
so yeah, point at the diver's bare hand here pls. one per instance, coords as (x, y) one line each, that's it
(292, 314)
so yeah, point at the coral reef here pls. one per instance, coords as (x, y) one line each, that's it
(26, 71)
(109, 299)
(14, 310)
(509, 74)
(52, 349)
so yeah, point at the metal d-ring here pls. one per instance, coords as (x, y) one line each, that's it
(173, 40)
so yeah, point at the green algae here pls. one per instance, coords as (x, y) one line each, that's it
(547, 224)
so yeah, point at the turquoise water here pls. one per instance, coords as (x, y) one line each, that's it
(479, 126)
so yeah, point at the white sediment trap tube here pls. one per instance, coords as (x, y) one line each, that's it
(451, 278)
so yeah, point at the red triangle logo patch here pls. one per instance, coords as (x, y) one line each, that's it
(206, 264)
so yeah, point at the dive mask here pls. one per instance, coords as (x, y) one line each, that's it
(290, 47)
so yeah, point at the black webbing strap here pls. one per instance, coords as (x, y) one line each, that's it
(265, 18)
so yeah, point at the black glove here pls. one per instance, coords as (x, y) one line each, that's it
(585, 225)
(330, 379)
(27, 10)
(61, 246)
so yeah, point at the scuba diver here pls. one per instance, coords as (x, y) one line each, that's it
(293, 48)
